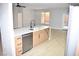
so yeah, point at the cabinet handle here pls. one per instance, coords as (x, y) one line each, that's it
(20, 51)
(39, 35)
(19, 44)
(18, 38)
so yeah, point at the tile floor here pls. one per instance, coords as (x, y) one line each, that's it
(53, 47)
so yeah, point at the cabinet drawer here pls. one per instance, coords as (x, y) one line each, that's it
(36, 37)
(18, 49)
(18, 52)
(18, 39)
(18, 45)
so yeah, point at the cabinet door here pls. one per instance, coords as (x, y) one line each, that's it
(39, 37)
(36, 39)
(42, 38)
(44, 35)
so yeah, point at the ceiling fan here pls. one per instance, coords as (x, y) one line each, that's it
(18, 5)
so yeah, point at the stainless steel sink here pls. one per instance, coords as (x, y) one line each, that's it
(31, 29)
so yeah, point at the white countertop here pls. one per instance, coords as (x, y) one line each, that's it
(66, 27)
(26, 30)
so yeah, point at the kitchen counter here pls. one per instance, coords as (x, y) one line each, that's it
(26, 30)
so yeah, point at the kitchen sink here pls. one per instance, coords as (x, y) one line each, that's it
(31, 29)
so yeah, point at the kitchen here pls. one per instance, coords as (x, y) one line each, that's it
(35, 29)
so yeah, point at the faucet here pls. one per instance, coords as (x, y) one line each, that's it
(32, 24)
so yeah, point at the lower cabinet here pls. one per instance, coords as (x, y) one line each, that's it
(40, 36)
(36, 38)
(44, 34)
(18, 45)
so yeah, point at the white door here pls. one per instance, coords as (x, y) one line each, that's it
(73, 31)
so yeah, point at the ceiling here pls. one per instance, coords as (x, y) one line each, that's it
(44, 5)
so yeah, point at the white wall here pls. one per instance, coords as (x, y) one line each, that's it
(7, 32)
(56, 20)
(37, 14)
(57, 17)
(31, 14)
(15, 16)
(73, 31)
(27, 16)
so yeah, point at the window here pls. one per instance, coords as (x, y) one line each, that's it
(45, 17)
(66, 19)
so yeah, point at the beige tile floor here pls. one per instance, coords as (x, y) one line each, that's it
(53, 47)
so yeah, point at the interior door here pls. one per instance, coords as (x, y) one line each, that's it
(73, 31)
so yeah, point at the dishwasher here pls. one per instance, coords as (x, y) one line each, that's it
(27, 42)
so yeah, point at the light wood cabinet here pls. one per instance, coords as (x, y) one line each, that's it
(18, 45)
(40, 36)
(44, 34)
(36, 38)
